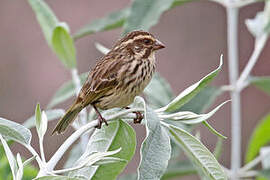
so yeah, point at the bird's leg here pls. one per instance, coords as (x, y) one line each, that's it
(139, 116)
(100, 118)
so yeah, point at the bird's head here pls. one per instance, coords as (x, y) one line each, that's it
(139, 43)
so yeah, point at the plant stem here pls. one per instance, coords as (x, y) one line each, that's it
(42, 154)
(259, 44)
(83, 113)
(232, 25)
(71, 139)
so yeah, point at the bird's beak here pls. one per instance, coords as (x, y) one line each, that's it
(158, 45)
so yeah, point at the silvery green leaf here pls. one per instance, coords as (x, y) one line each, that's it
(155, 150)
(203, 100)
(66, 91)
(19, 174)
(158, 93)
(25, 163)
(145, 13)
(74, 154)
(261, 82)
(63, 45)
(41, 122)
(265, 153)
(97, 156)
(191, 91)
(111, 21)
(45, 17)
(260, 137)
(51, 115)
(109, 160)
(117, 134)
(178, 169)
(10, 157)
(14, 131)
(190, 117)
(102, 48)
(198, 153)
(57, 178)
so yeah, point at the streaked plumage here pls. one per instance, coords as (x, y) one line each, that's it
(118, 77)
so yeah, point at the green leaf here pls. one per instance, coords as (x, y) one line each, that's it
(38, 117)
(57, 178)
(128, 177)
(66, 91)
(10, 157)
(260, 137)
(191, 91)
(111, 21)
(202, 101)
(56, 33)
(157, 88)
(155, 150)
(51, 115)
(180, 2)
(198, 153)
(14, 131)
(45, 17)
(74, 154)
(265, 173)
(190, 117)
(63, 45)
(178, 169)
(205, 123)
(41, 122)
(117, 135)
(145, 13)
(262, 83)
(218, 149)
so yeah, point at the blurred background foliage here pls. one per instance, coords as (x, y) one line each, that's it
(143, 14)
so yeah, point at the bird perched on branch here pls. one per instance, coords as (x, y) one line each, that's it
(117, 78)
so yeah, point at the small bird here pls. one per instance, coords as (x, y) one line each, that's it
(117, 78)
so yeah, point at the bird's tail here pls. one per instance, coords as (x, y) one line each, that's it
(68, 118)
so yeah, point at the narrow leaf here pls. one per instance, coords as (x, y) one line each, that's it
(14, 131)
(111, 21)
(203, 100)
(259, 138)
(178, 169)
(45, 17)
(51, 115)
(157, 88)
(66, 91)
(57, 178)
(63, 45)
(213, 130)
(191, 91)
(262, 83)
(10, 157)
(156, 149)
(198, 153)
(145, 13)
(19, 174)
(117, 134)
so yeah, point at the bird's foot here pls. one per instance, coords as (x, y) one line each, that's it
(100, 121)
(139, 116)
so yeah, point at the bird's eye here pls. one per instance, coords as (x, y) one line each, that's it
(147, 41)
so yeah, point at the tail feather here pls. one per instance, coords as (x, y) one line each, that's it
(67, 119)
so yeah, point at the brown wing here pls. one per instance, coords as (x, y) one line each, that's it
(101, 79)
